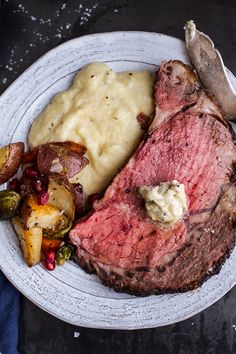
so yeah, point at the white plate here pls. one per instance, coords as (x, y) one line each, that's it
(69, 293)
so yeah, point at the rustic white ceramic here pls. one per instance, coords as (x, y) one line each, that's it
(68, 292)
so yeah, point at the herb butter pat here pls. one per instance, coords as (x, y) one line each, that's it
(166, 202)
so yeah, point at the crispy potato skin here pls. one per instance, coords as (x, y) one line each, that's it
(31, 156)
(64, 159)
(12, 162)
(30, 241)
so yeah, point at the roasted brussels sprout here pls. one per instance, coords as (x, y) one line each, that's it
(64, 254)
(9, 204)
(62, 227)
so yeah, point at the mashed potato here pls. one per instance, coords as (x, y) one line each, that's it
(100, 112)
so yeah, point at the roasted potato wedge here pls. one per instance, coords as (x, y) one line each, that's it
(55, 158)
(45, 216)
(30, 241)
(61, 195)
(31, 156)
(10, 158)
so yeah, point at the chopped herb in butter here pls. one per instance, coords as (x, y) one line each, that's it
(166, 202)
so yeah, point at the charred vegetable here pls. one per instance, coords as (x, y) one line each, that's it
(60, 158)
(9, 204)
(32, 155)
(42, 226)
(54, 222)
(55, 217)
(30, 241)
(10, 159)
(51, 245)
(64, 254)
(60, 230)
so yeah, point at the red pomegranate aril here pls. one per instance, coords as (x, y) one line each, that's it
(14, 184)
(50, 256)
(49, 265)
(42, 198)
(31, 172)
(92, 197)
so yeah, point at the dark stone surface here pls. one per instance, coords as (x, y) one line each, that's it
(28, 29)
(210, 332)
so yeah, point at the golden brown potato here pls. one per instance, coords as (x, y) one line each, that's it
(61, 196)
(10, 158)
(30, 241)
(44, 216)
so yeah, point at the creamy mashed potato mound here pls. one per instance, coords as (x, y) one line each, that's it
(100, 112)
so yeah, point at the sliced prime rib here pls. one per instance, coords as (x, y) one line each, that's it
(189, 141)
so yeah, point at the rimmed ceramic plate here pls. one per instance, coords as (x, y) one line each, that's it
(69, 293)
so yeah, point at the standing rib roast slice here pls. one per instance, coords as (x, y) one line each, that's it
(189, 141)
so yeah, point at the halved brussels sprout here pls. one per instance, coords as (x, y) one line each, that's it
(64, 254)
(9, 204)
(60, 230)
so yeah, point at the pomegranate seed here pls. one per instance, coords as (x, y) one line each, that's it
(37, 185)
(30, 172)
(14, 184)
(42, 198)
(49, 265)
(50, 256)
(92, 197)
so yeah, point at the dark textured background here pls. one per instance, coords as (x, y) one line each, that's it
(28, 29)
